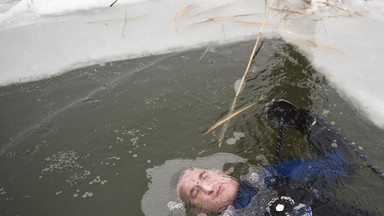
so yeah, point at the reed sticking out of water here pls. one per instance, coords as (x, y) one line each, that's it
(228, 118)
(181, 13)
(225, 126)
(232, 115)
(202, 56)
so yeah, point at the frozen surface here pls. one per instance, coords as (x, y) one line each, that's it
(42, 38)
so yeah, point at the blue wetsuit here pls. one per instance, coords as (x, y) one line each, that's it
(297, 186)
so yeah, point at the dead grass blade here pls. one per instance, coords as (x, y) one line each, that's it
(316, 43)
(181, 13)
(261, 98)
(221, 18)
(251, 22)
(337, 8)
(113, 3)
(228, 118)
(202, 56)
(285, 10)
(225, 126)
(212, 9)
(335, 15)
(287, 4)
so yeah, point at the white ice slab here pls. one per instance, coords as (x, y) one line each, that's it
(47, 37)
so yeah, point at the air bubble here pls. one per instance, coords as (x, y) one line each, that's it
(231, 141)
(87, 194)
(172, 205)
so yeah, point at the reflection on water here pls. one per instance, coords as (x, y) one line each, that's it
(80, 143)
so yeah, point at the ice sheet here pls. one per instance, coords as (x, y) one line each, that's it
(344, 40)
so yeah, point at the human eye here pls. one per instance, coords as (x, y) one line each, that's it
(195, 191)
(204, 175)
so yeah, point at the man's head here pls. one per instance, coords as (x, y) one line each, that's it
(206, 191)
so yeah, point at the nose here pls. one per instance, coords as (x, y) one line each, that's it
(206, 187)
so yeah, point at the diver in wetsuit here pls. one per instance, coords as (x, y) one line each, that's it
(306, 182)
(290, 187)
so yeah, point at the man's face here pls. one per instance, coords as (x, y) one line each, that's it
(207, 190)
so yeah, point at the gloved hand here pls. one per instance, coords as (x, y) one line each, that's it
(292, 116)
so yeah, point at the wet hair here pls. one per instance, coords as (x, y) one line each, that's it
(175, 180)
(189, 206)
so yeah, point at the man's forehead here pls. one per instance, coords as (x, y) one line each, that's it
(191, 174)
(189, 177)
(196, 171)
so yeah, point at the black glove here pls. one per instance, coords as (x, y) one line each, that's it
(298, 118)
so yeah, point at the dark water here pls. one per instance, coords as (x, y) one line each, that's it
(80, 143)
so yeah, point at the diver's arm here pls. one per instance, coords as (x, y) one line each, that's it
(323, 138)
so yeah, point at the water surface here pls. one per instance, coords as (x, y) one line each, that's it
(80, 143)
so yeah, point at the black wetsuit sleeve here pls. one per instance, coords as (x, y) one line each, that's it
(323, 138)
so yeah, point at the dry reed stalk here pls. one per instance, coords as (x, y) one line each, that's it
(181, 13)
(316, 43)
(252, 22)
(285, 10)
(113, 3)
(202, 56)
(287, 4)
(116, 19)
(286, 16)
(335, 15)
(212, 9)
(296, 17)
(228, 117)
(221, 18)
(336, 8)
(244, 75)
(260, 98)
